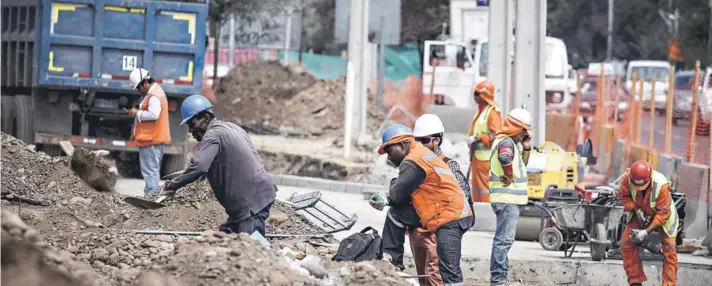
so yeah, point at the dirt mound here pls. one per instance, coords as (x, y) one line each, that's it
(266, 98)
(253, 92)
(91, 167)
(28, 260)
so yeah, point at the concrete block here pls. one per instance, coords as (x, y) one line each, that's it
(277, 179)
(603, 163)
(612, 273)
(563, 272)
(353, 188)
(694, 276)
(288, 180)
(669, 165)
(338, 186)
(314, 183)
(694, 183)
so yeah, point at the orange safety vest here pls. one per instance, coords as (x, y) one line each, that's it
(439, 199)
(148, 133)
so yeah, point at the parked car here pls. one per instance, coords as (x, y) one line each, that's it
(589, 98)
(682, 100)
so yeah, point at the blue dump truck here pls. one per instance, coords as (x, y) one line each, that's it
(66, 64)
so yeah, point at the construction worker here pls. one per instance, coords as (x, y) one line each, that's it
(437, 198)
(151, 130)
(486, 123)
(645, 194)
(508, 187)
(429, 131)
(234, 169)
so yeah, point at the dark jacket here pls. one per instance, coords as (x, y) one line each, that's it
(234, 170)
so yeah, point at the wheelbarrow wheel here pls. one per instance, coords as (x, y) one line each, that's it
(598, 250)
(551, 239)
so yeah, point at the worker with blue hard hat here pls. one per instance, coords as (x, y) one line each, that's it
(234, 169)
(425, 182)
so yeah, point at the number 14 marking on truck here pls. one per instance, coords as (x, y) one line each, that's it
(129, 63)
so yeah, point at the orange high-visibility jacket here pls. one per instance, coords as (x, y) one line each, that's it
(439, 199)
(148, 133)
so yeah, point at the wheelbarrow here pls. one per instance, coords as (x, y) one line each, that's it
(583, 222)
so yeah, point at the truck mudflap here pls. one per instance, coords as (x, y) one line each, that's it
(101, 143)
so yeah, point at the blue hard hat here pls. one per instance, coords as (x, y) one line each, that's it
(193, 105)
(394, 130)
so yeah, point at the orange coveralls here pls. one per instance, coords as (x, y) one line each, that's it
(423, 245)
(629, 249)
(479, 172)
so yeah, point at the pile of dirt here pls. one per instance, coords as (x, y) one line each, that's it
(254, 92)
(266, 98)
(28, 260)
(91, 167)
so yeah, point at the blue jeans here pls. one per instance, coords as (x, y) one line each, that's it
(150, 160)
(507, 217)
(449, 247)
(255, 222)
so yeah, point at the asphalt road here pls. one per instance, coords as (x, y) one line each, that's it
(680, 133)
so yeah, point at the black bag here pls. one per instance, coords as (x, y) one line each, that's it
(361, 246)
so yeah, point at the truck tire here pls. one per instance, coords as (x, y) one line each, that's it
(172, 164)
(8, 114)
(25, 128)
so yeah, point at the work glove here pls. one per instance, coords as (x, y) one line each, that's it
(377, 201)
(505, 180)
(169, 189)
(641, 215)
(639, 234)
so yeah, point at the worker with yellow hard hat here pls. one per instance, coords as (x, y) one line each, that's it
(645, 194)
(486, 123)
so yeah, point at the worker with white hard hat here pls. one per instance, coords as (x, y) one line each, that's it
(425, 182)
(429, 130)
(151, 130)
(508, 187)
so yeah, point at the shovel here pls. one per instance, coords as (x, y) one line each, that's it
(145, 204)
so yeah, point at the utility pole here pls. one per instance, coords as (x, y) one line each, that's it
(358, 30)
(609, 40)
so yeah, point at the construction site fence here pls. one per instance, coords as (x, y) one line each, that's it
(620, 142)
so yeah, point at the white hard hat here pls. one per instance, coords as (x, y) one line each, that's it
(522, 116)
(137, 75)
(428, 124)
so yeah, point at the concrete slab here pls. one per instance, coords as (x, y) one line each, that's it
(694, 183)
(669, 165)
(617, 162)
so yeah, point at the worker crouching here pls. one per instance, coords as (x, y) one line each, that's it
(486, 123)
(508, 187)
(438, 199)
(645, 194)
(226, 156)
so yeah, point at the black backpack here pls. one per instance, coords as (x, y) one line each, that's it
(360, 246)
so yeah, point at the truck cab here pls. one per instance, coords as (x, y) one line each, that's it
(68, 64)
(459, 66)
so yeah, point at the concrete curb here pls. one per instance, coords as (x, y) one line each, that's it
(577, 272)
(327, 185)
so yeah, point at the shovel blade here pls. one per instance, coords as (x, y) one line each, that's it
(143, 203)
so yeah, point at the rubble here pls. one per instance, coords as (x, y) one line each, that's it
(76, 235)
(91, 167)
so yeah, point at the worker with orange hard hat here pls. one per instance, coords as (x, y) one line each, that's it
(645, 194)
(486, 123)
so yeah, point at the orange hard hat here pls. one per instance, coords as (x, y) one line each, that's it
(486, 90)
(640, 175)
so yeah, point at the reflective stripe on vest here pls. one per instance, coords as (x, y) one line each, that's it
(659, 180)
(482, 152)
(516, 192)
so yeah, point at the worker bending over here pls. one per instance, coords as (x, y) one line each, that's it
(151, 129)
(508, 187)
(234, 169)
(645, 194)
(486, 123)
(436, 195)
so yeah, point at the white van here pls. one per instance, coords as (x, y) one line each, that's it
(646, 70)
(461, 66)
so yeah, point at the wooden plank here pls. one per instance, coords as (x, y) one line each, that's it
(67, 147)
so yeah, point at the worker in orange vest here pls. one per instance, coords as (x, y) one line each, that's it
(486, 123)
(151, 129)
(645, 194)
(426, 180)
